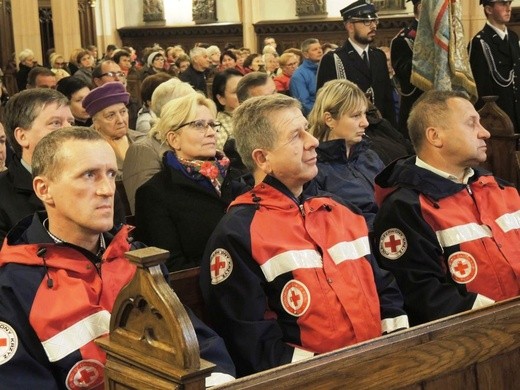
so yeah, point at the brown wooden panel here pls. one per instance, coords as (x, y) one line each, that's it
(291, 33)
(216, 34)
(461, 380)
(501, 372)
(438, 351)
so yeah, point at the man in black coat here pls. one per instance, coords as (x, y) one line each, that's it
(357, 61)
(401, 54)
(495, 60)
(29, 116)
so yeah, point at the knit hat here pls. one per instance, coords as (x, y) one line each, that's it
(105, 96)
(358, 10)
(151, 57)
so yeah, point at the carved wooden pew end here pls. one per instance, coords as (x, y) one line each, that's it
(152, 343)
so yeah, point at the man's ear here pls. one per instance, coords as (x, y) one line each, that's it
(434, 136)
(221, 99)
(20, 135)
(261, 160)
(42, 190)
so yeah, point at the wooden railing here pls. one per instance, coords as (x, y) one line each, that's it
(151, 344)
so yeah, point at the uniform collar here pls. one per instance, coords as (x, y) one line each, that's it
(500, 33)
(468, 172)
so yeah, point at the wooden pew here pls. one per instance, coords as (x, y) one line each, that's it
(473, 350)
(503, 159)
(476, 349)
(152, 343)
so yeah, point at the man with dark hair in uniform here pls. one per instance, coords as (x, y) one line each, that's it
(401, 54)
(357, 61)
(495, 60)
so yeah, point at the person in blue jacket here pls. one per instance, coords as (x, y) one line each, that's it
(346, 165)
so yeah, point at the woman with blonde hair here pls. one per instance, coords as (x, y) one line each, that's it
(178, 208)
(346, 165)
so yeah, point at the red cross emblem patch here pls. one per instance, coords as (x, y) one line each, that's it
(295, 298)
(85, 374)
(8, 342)
(463, 267)
(220, 266)
(393, 244)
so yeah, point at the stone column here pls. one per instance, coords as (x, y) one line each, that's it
(248, 9)
(26, 27)
(65, 18)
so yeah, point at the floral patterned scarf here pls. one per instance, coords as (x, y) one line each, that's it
(214, 170)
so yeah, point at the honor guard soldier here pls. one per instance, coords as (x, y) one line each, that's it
(357, 61)
(401, 54)
(495, 60)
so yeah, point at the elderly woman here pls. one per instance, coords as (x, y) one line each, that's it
(76, 90)
(178, 208)
(144, 157)
(107, 107)
(224, 92)
(346, 166)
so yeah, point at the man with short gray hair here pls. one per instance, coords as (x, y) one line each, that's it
(285, 258)
(196, 75)
(447, 230)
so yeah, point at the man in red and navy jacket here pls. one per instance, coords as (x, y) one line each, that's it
(61, 271)
(448, 231)
(288, 273)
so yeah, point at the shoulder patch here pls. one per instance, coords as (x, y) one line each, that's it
(393, 244)
(8, 342)
(295, 298)
(221, 265)
(463, 267)
(85, 374)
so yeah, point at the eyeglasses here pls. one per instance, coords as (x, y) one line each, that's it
(201, 126)
(113, 74)
(59, 63)
(366, 22)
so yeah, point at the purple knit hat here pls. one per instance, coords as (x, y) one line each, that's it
(106, 95)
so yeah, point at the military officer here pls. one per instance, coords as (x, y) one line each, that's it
(495, 60)
(401, 54)
(357, 61)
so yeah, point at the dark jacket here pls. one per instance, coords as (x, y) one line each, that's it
(21, 76)
(196, 79)
(401, 53)
(385, 139)
(176, 213)
(377, 77)
(351, 179)
(17, 198)
(451, 246)
(53, 345)
(505, 56)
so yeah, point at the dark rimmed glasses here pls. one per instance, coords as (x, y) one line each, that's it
(200, 126)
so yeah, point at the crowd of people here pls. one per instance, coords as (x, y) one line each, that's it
(319, 216)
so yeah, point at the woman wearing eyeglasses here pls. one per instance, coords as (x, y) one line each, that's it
(178, 208)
